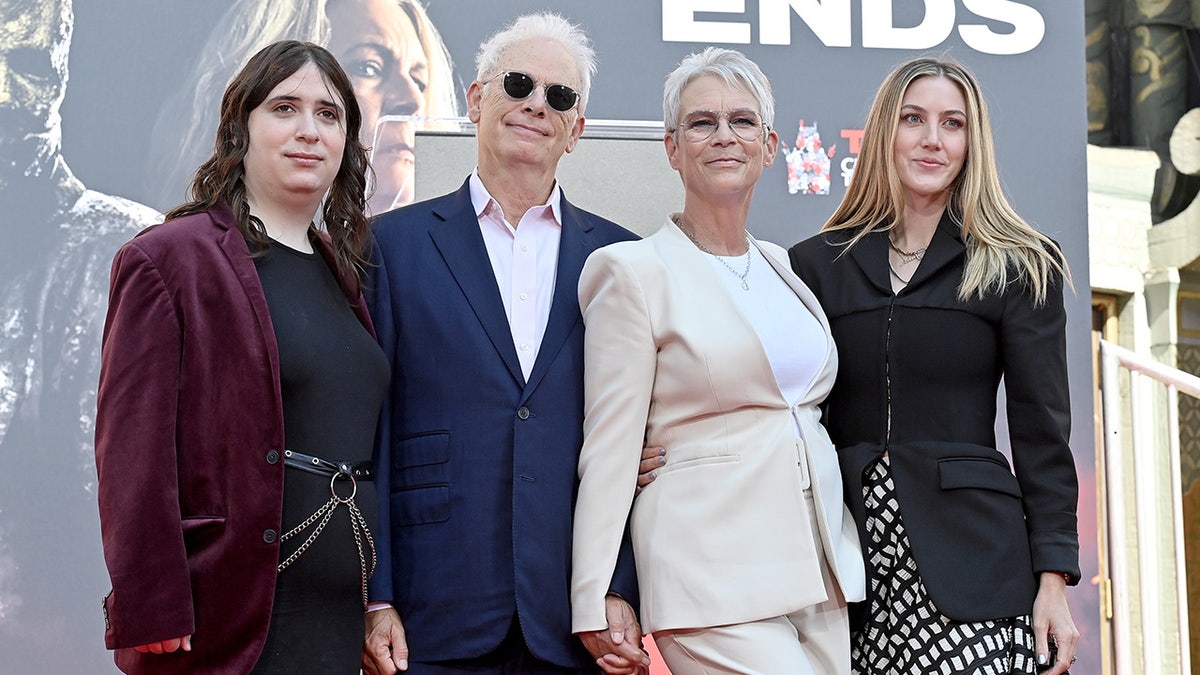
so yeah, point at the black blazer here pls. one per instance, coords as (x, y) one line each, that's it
(979, 533)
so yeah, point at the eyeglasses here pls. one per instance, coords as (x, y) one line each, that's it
(518, 86)
(699, 126)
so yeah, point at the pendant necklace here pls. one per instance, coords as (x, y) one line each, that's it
(908, 256)
(740, 275)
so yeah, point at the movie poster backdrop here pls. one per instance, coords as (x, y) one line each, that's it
(133, 86)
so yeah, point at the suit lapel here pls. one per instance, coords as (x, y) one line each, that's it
(233, 245)
(574, 246)
(461, 246)
(871, 256)
(708, 297)
(945, 247)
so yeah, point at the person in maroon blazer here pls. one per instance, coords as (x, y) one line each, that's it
(239, 388)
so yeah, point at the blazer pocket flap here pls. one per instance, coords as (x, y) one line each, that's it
(420, 505)
(424, 449)
(973, 472)
(693, 462)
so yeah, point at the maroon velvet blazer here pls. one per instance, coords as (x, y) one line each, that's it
(189, 441)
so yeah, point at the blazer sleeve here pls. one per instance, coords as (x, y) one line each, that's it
(619, 367)
(138, 489)
(379, 306)
(1033, 340)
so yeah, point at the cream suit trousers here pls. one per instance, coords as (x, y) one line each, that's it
(812, 641)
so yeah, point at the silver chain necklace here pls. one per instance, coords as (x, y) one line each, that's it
(908, 256)
(740, 275)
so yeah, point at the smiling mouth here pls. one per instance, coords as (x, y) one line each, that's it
(529, 129)
(304, 158)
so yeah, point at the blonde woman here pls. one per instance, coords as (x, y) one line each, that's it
(392, 52)
(936, 289)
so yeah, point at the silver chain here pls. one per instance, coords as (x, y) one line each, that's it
(908, 256)
(742, 275)
(324, 514)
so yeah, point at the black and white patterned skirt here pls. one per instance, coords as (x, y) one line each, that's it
(904, 632)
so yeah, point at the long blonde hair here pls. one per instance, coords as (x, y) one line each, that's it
(1001, 247)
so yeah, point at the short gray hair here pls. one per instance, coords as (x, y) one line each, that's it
(728, 64)
(543, 26)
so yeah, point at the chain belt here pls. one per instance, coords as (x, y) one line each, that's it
(337, 472)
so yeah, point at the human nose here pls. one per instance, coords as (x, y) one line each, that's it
(933, 137)
(404, 97)
(723, 132)
(536, 101)
(306, 128)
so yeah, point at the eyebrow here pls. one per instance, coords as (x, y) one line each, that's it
(718, 112)
(914, 106)
(293, 98)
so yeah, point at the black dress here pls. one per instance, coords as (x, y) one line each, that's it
(333, 377)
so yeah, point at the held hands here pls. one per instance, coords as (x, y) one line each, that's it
(618, 648)
(167, 646)
(385, 650)
(1052, 617)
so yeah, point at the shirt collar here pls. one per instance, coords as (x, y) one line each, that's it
(481, 198)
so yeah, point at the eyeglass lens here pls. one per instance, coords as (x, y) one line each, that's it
(701, 125)
(559, 96)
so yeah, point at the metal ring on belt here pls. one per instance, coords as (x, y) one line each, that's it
(336, 471)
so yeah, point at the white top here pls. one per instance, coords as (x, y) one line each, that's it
(791, 336)
(525, 262)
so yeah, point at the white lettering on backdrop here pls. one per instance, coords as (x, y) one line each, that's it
(830, 21)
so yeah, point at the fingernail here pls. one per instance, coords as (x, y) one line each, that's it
(654, 474)
(661, 461)
(662, 451)
(1043, 659)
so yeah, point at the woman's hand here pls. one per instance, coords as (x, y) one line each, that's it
(653, 457)
(167, 646)
(1052, 617)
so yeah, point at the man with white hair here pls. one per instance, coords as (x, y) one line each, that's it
(475, 303)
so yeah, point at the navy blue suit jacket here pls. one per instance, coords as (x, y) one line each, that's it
(477, 467)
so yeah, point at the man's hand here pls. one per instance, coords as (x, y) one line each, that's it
(653, 457)
(167, 646)
(618, 648)
(385, 650)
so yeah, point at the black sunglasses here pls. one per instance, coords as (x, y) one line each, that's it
(519, 86)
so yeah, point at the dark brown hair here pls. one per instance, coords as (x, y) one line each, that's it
(222, 177)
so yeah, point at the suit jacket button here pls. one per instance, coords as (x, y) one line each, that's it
(273, 457)
(523, 413)
(269, 536)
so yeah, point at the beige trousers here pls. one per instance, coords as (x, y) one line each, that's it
(812, 641)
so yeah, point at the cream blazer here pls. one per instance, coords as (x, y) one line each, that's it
(723, 534)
